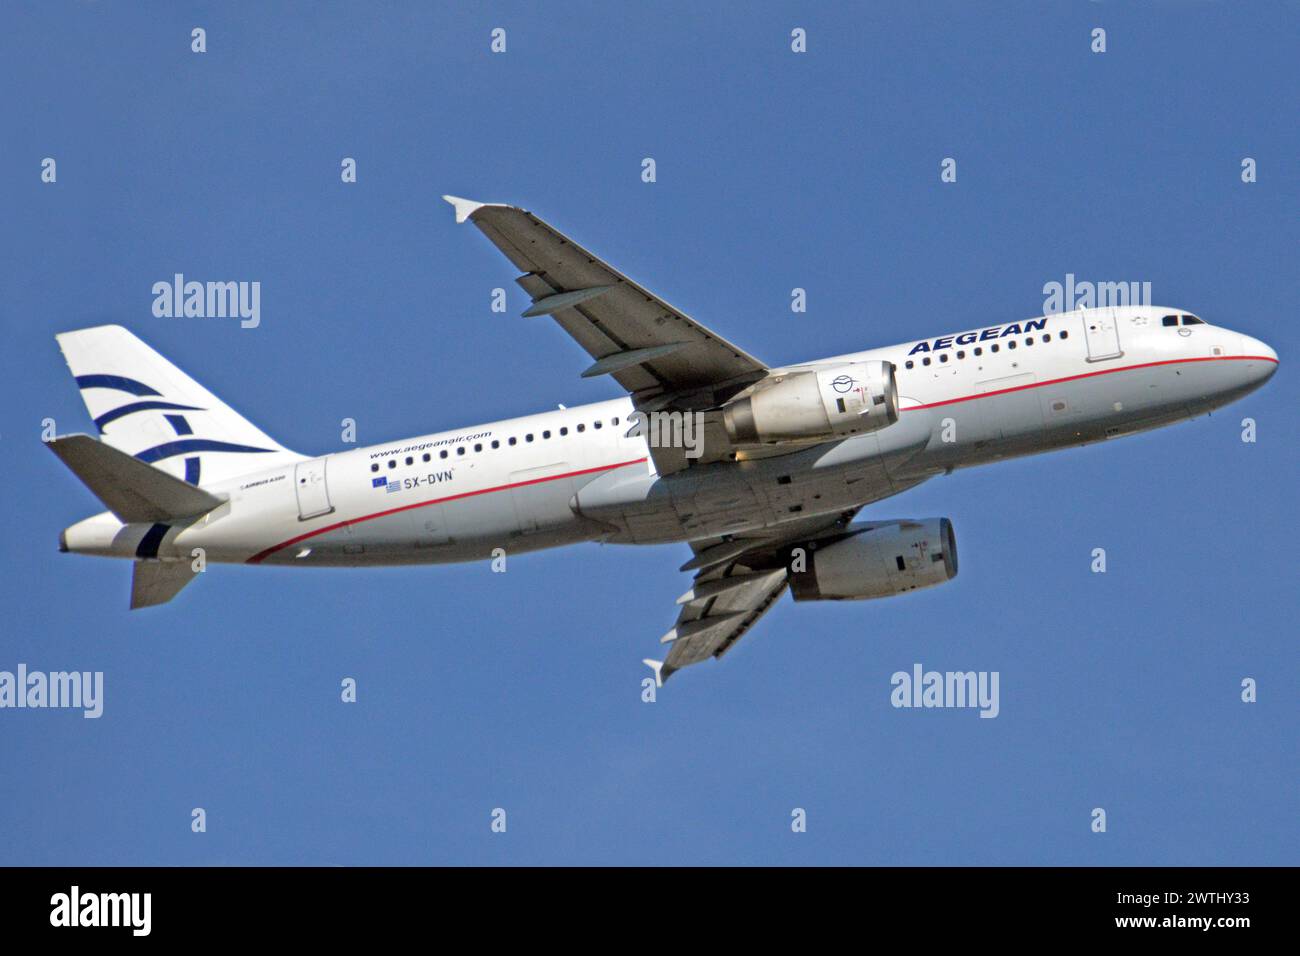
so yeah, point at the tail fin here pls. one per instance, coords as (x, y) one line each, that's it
(129, 488)
(145, 406)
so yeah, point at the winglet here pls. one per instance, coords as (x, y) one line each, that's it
(658, 668)
(464, 207)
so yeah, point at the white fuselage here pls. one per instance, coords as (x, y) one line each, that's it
(575, 474)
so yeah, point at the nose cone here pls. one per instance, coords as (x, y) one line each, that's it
(1260, 360)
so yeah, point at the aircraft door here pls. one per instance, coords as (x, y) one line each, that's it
(1101, 331)
(313, 494)
(541, 499)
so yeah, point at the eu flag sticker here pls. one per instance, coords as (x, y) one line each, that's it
(378, 482)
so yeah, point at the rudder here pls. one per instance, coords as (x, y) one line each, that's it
(145, 406)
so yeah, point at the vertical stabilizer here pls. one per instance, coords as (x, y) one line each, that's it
(145, 406)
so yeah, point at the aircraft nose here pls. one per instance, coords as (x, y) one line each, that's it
(1262, 361)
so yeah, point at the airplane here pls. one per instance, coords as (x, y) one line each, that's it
(761, 470)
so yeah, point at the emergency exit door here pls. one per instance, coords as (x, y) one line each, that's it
(1101, 332)
(313, 493)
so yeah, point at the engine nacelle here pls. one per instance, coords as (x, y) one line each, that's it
(878, 559)
(817, 404)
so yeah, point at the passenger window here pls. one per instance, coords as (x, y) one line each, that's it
(563, 432)
(993, 347)
(392, 463)
(926, 360)
(943, 357)
(978, 350)
(410, 460)
(528, 437)
(1169, 320)
(1065, 335)
(595, 424)
(1047, 336)
(495, 443)
(443, 453)
(909, 363)
(460, 449)
(614, 422)
(478, 447)
(582, 428)
(546, 434)
(374, 467)
(513, 440)
(1029, 341)
(426, 456)
(1011, 344)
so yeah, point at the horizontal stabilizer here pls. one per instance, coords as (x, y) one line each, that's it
(157, 582)
(132, 490)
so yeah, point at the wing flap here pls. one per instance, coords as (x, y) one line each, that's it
(737, 609)
(737, 582)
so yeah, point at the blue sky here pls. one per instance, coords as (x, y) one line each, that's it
(775, 171)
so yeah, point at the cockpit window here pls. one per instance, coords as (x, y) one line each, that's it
(1169, 320)
(1192, 320)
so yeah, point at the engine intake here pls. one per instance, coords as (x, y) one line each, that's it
(878, 560)
(817, 404)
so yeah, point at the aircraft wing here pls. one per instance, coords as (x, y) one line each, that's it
(736, 581)
(659, 354)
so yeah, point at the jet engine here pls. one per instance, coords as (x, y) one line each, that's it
(876, 559)
(815, 404)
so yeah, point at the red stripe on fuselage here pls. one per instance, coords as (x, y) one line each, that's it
(261, 555)
(1104, 371)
